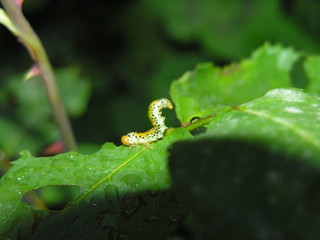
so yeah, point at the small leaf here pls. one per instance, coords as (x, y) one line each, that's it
(6, 21)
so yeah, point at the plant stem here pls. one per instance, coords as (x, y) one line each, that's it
(32, 42)
(199, 123)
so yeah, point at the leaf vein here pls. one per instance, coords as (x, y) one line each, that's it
(93, 187)
(307, 137)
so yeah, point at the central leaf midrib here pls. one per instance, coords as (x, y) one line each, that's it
(304, 135)
(93, 187)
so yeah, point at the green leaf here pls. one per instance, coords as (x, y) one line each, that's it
(110, 179)
(198, 92)
(254, 174)
(285, 120)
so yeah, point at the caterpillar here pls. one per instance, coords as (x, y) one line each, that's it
(158, 125)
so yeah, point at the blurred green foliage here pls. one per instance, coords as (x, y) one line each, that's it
(130, 51)
(26, 119)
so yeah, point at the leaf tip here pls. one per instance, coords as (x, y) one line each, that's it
(25, 154)
(6, 21)
(108, 145)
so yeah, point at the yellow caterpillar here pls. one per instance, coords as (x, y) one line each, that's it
(157, 121)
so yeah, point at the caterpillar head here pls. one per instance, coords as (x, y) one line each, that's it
(125, 140)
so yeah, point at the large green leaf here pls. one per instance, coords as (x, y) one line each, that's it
(255, 173)
(119, 185)
(207, 87)
(285, 120)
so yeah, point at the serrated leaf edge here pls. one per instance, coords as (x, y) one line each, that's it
(93, 187)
